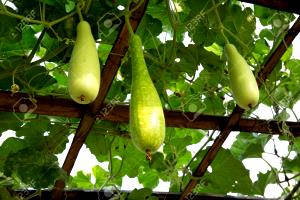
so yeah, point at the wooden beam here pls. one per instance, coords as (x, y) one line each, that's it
(292, 6)
(51, 106)
(45, 105)
(237, 113)
(106, 195)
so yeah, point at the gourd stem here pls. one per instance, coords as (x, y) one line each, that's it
(127, 21)
(235, 37)
(130, 30)
(127, 16)
(79, 12)
(137, 6)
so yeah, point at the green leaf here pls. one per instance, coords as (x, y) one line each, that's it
(292, 164)
(49, 43)
(81, 180)
(104, 51)
(148, 30)
(158, 10)
(33, 133)
(18, 48)
(287, 55)
(249, 145)
(57, 138)
(10, 145)
(266, 34)
(149, 179)
(177, 145)
(116, 165)
(297, 144)
(116, 94)
(262, 182)
(221, 180)
(157, 162)
(35, 168)
(241, 23)
(133, 161)
(10, 29)
(97, 144)
(264, 14)
(37, 77)
(69, 6)
(60, 76)
(261, 49)
(214, 105)
(141, 194)
(9, 121)
(101, 176)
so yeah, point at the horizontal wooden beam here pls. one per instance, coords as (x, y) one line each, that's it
(292, 6)
(47, 105)
(106, 194)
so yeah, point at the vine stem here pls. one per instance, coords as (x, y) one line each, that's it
(294, 190)
(130, 30)
(78, 9)
(235, 37)
(174, 20)
(110, 157)
(34, 21)
(62, 18)
(293, 177)
(221, 26)
(274, 172)
(137, 6)
(36, 46)
(87, 6)
(17, 16)
(128, 14)
(196, 155)
(44, 12)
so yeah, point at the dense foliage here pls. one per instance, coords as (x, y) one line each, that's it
(188, 77)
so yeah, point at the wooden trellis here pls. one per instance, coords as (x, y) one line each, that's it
(120, 113)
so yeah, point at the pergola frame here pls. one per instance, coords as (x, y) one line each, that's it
(52, 106)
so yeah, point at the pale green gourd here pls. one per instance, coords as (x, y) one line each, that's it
(84, 72)
(147, 122)
(242, 81)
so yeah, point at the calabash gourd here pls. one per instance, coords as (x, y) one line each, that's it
(147, 122)
(84, 72)
(242, 81)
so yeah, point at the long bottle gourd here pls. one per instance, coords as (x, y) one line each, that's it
(242, 81)
(147, 122)
(84, 72)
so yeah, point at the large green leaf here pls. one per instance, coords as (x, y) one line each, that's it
(262, 182)
(149, 179)
(81, 180)
(35, 168)
(228, 175)
(9, 121)
(148, 30)
(249, 145)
